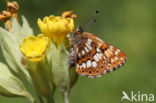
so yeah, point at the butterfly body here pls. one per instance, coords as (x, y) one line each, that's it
(92, 56)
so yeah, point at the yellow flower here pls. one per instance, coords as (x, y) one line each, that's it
(56, 27)
(34, 48)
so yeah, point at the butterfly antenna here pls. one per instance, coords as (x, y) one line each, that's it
(92, 20)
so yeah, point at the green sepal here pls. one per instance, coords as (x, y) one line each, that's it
(60, 70)
(41, 78)
(10, 85)
(73, 76)
(9, 42)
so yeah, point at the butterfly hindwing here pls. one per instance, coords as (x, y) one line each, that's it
(90, 60)
(114, 56)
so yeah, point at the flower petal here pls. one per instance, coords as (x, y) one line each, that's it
(56, 28)
(34, 48)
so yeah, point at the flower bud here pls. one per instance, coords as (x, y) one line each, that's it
(56, 27)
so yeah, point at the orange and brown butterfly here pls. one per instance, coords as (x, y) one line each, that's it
(93, 57)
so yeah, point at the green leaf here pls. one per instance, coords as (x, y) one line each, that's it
(10, 85)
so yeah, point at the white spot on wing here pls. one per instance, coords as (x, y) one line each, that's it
(117, 51)
(109, 51)
(120, 64)
(121, 58)
(83, 52)
(89, 40)
(97, 49)
(112, 60)
(98, 55)
(78, 65)
(81, 66)
(104, 72)
(111, 47)
(116, 58)
(107, 54)
(96, 58)
(88, 46)
(79, 55)
(98, 75)
(88, 63)
(84, 65)
(94, 64)
(86, 49)
(89, 43)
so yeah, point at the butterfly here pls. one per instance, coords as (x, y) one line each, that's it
(93, 57)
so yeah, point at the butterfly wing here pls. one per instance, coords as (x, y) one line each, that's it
(89, 59)
(114, 56)
(71, 62)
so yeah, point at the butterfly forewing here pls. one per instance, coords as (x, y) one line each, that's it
(90, 60)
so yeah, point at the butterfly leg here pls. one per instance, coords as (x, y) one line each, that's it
(71, 62)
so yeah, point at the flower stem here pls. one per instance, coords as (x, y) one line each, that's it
(40, 98)
(50, 100)
(66, 97)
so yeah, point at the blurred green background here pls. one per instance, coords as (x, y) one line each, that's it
(127, 24)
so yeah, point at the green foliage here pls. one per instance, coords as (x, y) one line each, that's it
(11, 85)
(42, 76)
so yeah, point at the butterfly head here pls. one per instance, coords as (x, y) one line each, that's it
(78, 30)
(77, 37)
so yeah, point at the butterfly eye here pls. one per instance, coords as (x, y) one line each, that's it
(79, 30)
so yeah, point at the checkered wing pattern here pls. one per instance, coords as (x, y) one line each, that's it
(114, 56)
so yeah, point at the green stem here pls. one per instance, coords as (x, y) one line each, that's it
(66, 97)
(50, 100)
(40, 98)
